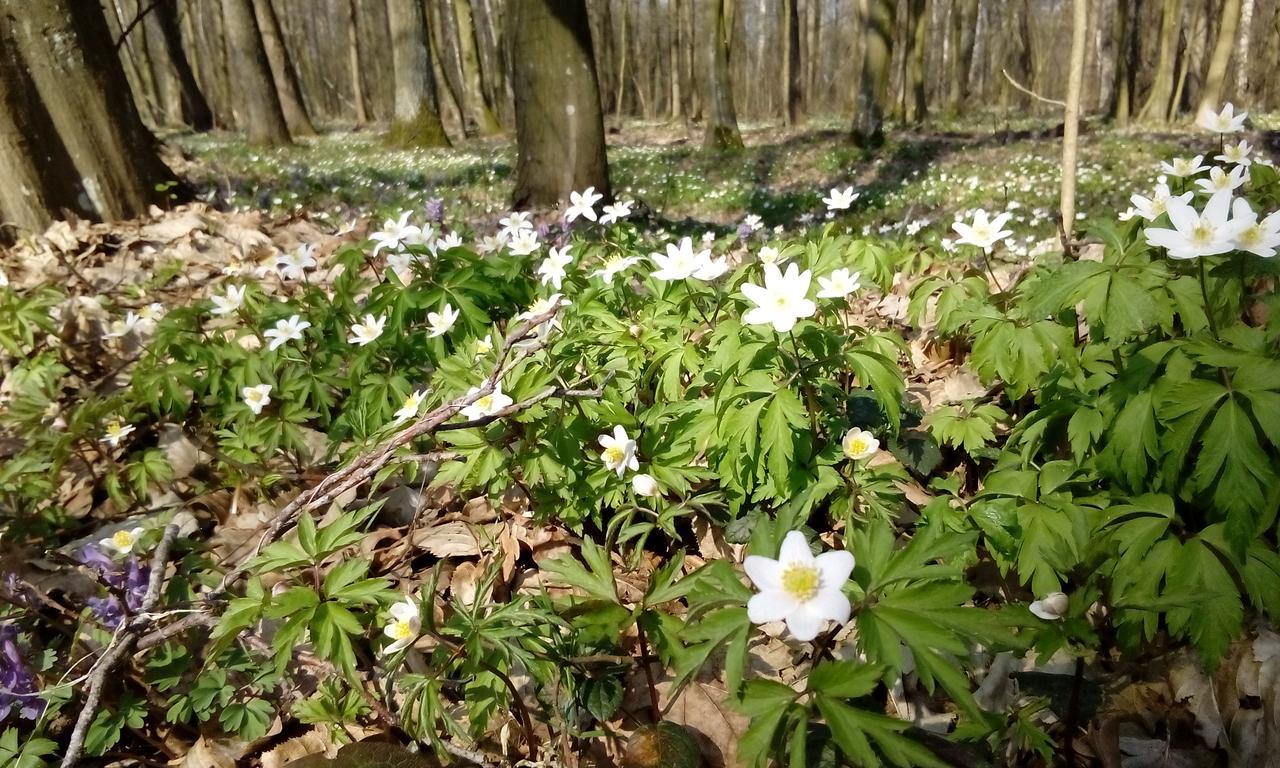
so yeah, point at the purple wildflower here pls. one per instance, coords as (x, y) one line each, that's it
(129, 577)
(17, 682)
(435, 209)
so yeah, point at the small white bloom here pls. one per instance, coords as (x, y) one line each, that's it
(619, 453)
(256, 397)
(1225, 121)
(449, 242)
(442, 321)
(614, 266)
(583, 204)
(859, 444)
(839, 284)
(1221, 181)
(644, 485)
(840, 199)
(616, 212)
(1182, 167)
(523, 243)
(1259, 238)
(1051, 607)
(292, 266)
(1153, 207)
(396, 234)
(122, 541)
(367, 331)
(403, 627)
(798, 588)
(769, 255)
(983, 232)
(752, 222)
(1237, 154)
(552, 268)
(286, 331)
(782, 300)
(484, 346)
(409, 406)
(681, 262)
(516, 221)
(486, 405)
(115, 432)
(1206, 233)
(231, 302)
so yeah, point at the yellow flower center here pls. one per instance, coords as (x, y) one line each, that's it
(485, 403)
(857, 446)
(1202, 233)
(1252, 235)
(114, 429)
(613, 455)
(122, 539)
(801, 581)
(401, 630)
(410, 402)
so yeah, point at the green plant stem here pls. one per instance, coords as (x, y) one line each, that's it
(1208, 305)
(810, 400)
(694, 301)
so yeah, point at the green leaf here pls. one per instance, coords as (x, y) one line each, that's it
(856, 730)
(597, 581)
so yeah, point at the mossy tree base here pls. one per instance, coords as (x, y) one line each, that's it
(425, 130)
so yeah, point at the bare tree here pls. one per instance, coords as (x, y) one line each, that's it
(480, 119)
(283, 73)
(559, 125)
(416, 120)
(261, 116)
(873, 85)
(722, 118)
(1216, 76)
(1160, 99)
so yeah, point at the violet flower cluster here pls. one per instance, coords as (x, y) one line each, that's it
(18, 689)
(129, 577)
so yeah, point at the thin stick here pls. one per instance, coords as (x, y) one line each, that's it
(1030, 92)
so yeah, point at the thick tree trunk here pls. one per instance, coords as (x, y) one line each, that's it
(1156, 108)
(964, 25)
(260, 114)
(69, 56)
(918, 39)
(283, 73)
(873, 84)
(480, 120)
(137, 70)
(416, 119)
(1124, 40)
(722, 119)
(791, 61)
(163, 70)
(1216, 76)
(559, 127)
(195, 108)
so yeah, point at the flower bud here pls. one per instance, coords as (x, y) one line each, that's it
(644, 485)
(1051, 607)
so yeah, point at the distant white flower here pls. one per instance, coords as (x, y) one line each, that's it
(583, 204)
(552, 268)
(403, 627)
(615, 265)
(1237, 153)
(983, 232)
(442, 321)
(1197, 234)
(286, 331)
(231, 302)
(619, 453)
(150, 314)
(115, 432)
(644, 485)
(256, 397)
(293, 265)
(1182, 167)
(616, 212)
(769, 255)
(681, 262)
(366, 331)
(1221, 181)
(122, 541)
(484, 346)
(409, 406)
(449, 242)
(492, 243)
(1259, 238)
(1225, 121)
(708, 237)
(839, 284)
(486, 405)
(752, 222)
(782, 300)
(119, 328)
(523, 243)
(859, 444)
(516, 221)
(1155, 206)
(396, 234)
(798, 588)
(840, 199)
(4, 279)
(1051, 607)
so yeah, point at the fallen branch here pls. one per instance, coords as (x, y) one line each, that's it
(119, 647)
(1030, 92)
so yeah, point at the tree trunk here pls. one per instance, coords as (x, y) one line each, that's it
(195, 108)
(722, 119)
(163, 71)
(1242, 51)
(137, 71)
(261, 116)
(1071, 120)
(416, 117)
(791, 61)
(353, 64)
(479, 112)
(283, 73)
(964, 26)
(918, 40)
(1124, 39)
(113, 171)
(1216, 76)
(559, 127)
(873, 84)
(1156, 107)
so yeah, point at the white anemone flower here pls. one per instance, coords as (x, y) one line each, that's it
(983, 232)
(838, 284)
(1221, 181)
(404, 626)
(619, 452)
(782, 301)
(770, 255)
(484, 346)
(1236, 154)
(122, 541)
(583, 204)
(396, 234)
(231, 302)
(486, 405)
(644, 485)
(367, 330)
(442, 321)
(1051, 607)
(409, 406)
(523, 243)
(798, 588)
(293, 265)
(1261, 238)
(1224, 121)
(115, 432)
(614, 266)
(680, 262)
(859, 444)
(615, 212)
(256, 397)
(516, 221)
(286, 331)
(1151, 208)
(840, 199)
(1182, 166)
(1206, 233)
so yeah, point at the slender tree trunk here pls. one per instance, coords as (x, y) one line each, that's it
(722, 119)
(672, 21)
(163, 71)
(964, 26)
(1215, 78)
(1242, 51)
(69, 56)
(283, 73)
(353, 65)
(261, 116)
(1124, 40)
(791, 60)
(1071, 121)
(619, 100)
(918, 39)
(416, 118)
(195, 108)
(873, 85)
(1156, 107)
(559, 126)
(479, 112)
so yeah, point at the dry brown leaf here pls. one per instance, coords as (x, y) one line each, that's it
(314, 742)
(452, 539)
(210, 752)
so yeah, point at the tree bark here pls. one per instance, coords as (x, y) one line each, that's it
(114, 171)
(1125, 43)
(261, 115)
(722, 119)
(479, 117)
(1071, 120)
(358, 96)
(195, 108)
(873, 84)
(791, 61)
(559, 126)
(1243, 44)
(416, 117)
(1216, 76)
(918, 40)
(283, 73)
(1156, 107)
(964, 26)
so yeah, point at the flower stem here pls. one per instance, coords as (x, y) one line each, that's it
(810, 400)
(1208, 305)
